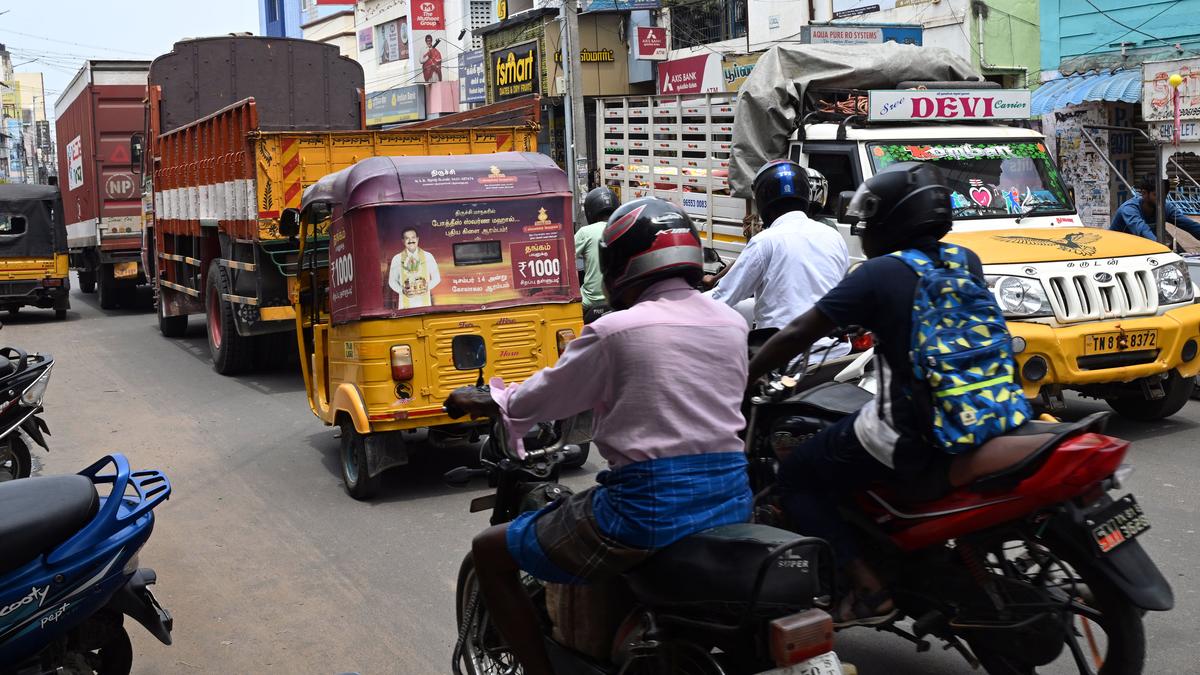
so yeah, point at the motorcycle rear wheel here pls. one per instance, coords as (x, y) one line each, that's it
(15, 461)
(483, 650)
(115, 657)
(1106, 635)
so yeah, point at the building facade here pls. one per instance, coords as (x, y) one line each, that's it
(286, 18)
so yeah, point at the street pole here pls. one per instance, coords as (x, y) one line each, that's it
(575, 137)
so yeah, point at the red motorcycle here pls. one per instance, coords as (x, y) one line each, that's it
(1029, 560)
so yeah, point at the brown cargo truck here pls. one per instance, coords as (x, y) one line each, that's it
(96, 116)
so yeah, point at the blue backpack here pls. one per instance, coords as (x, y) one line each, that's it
(961, 350)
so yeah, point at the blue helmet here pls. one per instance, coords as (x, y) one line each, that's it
(780, 186)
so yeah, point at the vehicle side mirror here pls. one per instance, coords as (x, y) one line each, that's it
(469, 351)
(711, 257)
(137, 144)
(843, 203)
(289, 223)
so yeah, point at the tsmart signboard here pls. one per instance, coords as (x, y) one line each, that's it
(402, 104)
(889, 105)
(515, 71)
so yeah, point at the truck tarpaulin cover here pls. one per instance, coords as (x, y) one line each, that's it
(434, 234)
(769, 100)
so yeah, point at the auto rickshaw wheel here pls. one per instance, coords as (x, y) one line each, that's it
(231, 353)
(358, 482)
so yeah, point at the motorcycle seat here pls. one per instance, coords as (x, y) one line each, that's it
(837, 398)
(37, 514)
(713, 572)
(1003, 462)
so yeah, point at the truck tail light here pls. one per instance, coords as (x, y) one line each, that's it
(402, 365)
(562, 337)
(51, 282)
(799, 637)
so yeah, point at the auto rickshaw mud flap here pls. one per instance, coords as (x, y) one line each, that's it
(1128, 567)
(135, 600)
(385, 450)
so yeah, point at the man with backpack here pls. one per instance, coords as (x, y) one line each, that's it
(946, 372)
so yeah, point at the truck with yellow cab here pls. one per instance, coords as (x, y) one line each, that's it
(33, 249)
(398, 256)
(1107, 314)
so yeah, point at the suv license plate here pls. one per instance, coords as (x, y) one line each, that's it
(825, 664)
(1118, 523)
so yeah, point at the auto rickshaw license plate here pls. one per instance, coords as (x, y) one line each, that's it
(1118, 523)
(125, 270)
(1106, 343)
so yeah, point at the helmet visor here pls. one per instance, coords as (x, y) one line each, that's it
(864, 205)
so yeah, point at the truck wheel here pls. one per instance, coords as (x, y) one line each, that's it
(87, 281)
(106, 287)
(358, 483)
(171, 326)
(230, 352)
(1178, 389)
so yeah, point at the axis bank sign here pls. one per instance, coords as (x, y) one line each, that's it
(968, 105)
(691, 75)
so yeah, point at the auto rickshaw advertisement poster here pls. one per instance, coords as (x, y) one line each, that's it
(464, 255)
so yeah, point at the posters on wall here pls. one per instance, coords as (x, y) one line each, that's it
(366, 38)
(847, 8)
(472, 81)
(393, 40)
(515, 71)
(429, 32)
(75, 164)
(1081, 165)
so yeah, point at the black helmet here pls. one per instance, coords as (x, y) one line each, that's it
(903, 205)
(646, 240)
(780, 186)
(599, 204)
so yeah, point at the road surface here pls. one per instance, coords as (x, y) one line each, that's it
(268, 566)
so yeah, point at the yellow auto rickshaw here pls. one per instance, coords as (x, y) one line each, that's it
(33, 249)
(398, 255)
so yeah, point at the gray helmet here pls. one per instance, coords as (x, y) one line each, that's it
(599, 204)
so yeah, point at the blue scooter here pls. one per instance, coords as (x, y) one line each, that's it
(69, 569)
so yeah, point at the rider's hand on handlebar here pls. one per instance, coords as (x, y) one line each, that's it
(472, 401)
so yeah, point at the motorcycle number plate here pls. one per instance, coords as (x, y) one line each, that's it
(825, 664)
(1118, 523)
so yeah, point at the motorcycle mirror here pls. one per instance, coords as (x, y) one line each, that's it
(570, 453)
(469, 352)
(289, 223)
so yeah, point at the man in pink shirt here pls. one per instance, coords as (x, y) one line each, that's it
(665, 378)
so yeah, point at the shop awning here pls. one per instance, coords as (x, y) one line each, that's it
(1121, 85)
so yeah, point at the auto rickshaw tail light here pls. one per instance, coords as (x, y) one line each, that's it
(562, 337)
(402, 364)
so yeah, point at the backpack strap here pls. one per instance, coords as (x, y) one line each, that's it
(915, 259)
(953, 256)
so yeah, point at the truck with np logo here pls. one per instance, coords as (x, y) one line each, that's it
(1107, 314)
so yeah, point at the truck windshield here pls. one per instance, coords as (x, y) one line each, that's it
(987, 179)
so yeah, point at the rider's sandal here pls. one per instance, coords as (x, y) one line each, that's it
(867, 610)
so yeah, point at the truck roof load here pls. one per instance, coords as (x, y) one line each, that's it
(768, 103)
(297, 85)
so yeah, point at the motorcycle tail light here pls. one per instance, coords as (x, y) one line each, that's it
(563, 337)
(799, 637)
(861, 343)
(402, 364)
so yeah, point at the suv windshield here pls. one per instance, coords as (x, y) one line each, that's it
(988, 179)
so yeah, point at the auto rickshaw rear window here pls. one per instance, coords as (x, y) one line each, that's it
(12, 225)
(477, 253)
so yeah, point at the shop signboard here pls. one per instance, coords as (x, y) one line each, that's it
(471, 77)
(846, 34)
(1157, 94)
(735, 69)
(366, 38)
(515, 71)
(401, 104)
(849, 8)
(887, 105)
(691, 75)
(650, 43)
(619, 5)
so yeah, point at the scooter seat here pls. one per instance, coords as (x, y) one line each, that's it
(1006, 460)
(713, 572)
(37, 514)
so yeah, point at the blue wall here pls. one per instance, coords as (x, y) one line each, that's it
(283, 21)
(1073, 28)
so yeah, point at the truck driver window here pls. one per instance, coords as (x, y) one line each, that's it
(11, 226)
(838, 169)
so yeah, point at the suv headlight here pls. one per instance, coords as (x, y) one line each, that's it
(1020, 297)
(1174, 283)
(32, 396)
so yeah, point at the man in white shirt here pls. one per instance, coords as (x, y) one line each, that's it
(794, 260)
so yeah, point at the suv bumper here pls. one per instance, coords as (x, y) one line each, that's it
(1062, 349)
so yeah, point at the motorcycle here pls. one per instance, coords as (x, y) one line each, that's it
(69, 569)
(734, 599)
(1027, 555)
(23, 381)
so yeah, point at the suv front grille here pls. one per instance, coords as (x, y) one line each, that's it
(1081, 297)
